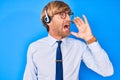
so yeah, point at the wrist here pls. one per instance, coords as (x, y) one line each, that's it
(91, 40)
(87, 38)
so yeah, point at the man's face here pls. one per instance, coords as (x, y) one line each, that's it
(60, 25)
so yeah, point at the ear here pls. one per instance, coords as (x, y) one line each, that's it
(50, 23)
(47, 18)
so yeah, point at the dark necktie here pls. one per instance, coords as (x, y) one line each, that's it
(59, 67)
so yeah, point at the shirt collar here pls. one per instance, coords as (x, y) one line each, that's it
(52, 40)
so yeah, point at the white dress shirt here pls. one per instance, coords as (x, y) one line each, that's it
(41, 59)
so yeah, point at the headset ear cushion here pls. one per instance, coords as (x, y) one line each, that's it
(47, 19)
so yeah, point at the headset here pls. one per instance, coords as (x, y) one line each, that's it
(47, 18)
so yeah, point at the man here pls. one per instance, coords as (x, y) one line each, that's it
(57, 57)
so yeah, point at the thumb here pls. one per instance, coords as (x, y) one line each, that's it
(74, 33)
(79, 35)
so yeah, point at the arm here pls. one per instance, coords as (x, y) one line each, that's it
(30, 70)
(97, 59)
(94, 56)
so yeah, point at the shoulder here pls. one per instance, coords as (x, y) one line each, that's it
(39, 42)
(36, 45)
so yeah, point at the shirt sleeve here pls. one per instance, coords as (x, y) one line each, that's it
(30, 70)
(97, 59)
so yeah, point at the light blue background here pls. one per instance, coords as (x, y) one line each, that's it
(20, 25)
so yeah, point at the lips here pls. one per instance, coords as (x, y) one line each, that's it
(66, 27)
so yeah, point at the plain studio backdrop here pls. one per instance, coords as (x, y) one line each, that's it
(20, 25)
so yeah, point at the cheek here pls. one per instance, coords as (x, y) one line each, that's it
(57, 22)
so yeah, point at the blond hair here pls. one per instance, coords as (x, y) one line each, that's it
(52, 8)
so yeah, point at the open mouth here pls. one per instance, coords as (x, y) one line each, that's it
(66, 27)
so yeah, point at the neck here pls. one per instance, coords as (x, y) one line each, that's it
(56, 36)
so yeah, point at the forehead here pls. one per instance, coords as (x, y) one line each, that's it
(56, 7)
(62, 9)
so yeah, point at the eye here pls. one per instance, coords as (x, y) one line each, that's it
(63, 14)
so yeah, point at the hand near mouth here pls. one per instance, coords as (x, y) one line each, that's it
(84, 30)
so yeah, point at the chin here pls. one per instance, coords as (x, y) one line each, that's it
(66, 34)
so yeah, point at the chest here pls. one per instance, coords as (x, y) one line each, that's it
(45, 59)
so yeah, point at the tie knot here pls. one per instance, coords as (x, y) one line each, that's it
(59, 42)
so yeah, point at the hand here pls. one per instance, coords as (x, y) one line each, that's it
(84, 30)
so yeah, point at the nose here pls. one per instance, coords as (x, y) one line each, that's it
(68, 17)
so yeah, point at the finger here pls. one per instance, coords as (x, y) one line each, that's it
(77, 35)
(75, 20)
(85, 19)
(80, 20)
(76, 23)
